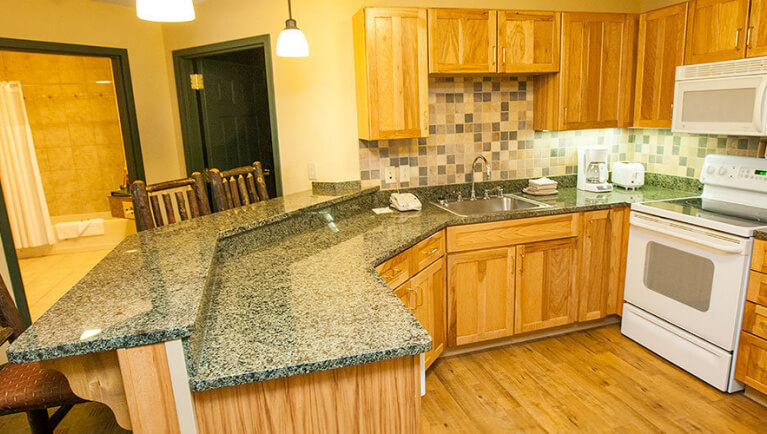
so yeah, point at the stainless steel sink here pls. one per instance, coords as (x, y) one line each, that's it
(506, 203)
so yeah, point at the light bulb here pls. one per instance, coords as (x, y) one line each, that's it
(292, 42)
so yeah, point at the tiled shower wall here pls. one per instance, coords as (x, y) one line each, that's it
(72, 111)
(492, 116)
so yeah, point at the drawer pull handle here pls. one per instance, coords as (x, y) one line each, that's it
(432, 251)
(391, 274)
(418, 296)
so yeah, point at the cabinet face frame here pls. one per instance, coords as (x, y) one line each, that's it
(392, 82)
(529, 38)
(462, 41)
(702, 37)
(658, 55)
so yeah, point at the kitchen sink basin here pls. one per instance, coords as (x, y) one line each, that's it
(509, 202)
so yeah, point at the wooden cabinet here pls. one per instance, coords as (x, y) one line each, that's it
(480, 295)
(396, 270)
(428, 289)
(528, 42)
(759, 256)
(602, 263)
(756, 33)
(510, 232)
(462, 40)
(390, 63)
(755, 319)
(751, 367)
(660, 50)
(546, 293)
(595, 85)
(757, 284)
(717, 30)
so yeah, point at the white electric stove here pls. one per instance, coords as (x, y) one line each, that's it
(687, 269)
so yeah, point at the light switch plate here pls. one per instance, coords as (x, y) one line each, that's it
(389, 175)
(404, 174)
(311, 168)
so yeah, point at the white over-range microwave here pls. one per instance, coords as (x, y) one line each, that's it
(728, 98)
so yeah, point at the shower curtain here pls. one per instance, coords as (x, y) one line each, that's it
(20, 174)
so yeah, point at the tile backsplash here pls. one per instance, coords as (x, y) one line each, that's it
(492, 116)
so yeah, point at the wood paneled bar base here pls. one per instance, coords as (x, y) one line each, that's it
(148, 391)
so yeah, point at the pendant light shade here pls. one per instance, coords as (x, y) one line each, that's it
(292, 42)
(165, 11)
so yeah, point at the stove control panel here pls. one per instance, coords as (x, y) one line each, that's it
(745, 173)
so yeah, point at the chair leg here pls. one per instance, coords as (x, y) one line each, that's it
(38, 421)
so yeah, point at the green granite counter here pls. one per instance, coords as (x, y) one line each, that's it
(275, 289)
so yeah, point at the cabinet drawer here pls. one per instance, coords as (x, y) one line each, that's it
(755, 320)
(757, 287)
(752, 362)
(510, 232)
(396, 270)
(759, 258)
(428, 251)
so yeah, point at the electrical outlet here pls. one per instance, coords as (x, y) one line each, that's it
(404, 174)
(311, 168)
(389, 175)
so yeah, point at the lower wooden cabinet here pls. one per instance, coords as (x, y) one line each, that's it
(751, 368)
(480, 295)
(428, 289)
(546, 293)
(602, 266)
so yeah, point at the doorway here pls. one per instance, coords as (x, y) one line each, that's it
(226, 102)
(79, 111)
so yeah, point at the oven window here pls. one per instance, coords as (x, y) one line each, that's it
(679, 275)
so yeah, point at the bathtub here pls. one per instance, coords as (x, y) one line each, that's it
(115, 230)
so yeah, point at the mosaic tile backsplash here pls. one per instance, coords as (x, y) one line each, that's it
(492, 116)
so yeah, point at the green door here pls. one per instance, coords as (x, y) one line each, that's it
(234, 107)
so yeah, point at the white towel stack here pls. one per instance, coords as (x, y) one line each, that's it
(541, 187)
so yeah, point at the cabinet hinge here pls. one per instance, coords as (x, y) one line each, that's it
(196, 81)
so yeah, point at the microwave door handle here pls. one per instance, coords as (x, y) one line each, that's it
(761, 109)
(674, 234)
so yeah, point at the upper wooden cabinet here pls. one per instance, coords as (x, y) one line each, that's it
(595, 85)
(717, 30)
(462, 40)
(390, 63)
(660, 50)
(528, 41)
(756, 34)
(546, 292)
(477, 41)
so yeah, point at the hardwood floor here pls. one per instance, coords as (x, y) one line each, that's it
(590, 381)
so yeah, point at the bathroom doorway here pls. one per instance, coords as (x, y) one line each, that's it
(81, 124)
(226, 100)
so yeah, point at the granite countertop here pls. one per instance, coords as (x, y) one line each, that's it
(271, 290)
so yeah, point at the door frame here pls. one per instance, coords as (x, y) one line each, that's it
(189, 109)
(128, 126)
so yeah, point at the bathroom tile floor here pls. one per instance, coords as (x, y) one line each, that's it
(47, 278)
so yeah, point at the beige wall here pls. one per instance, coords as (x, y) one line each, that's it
(93, 23)
(315, 100)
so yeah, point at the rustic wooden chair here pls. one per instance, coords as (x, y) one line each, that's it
(237, 187)
(189, 193)
(28, 387)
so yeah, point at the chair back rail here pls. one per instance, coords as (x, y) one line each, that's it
(238, 187)
(9, 314)
(191, 200)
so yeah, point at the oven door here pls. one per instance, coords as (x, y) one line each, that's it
(687, 275)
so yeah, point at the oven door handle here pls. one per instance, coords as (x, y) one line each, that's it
(677, 235)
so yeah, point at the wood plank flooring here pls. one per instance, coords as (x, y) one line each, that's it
(590, 381)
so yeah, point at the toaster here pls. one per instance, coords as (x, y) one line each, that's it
(628, 174)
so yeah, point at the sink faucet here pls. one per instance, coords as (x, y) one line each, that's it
(487, 170)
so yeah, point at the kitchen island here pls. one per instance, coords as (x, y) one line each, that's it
(232, 308)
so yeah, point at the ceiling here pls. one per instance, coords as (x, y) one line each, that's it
(130, 3)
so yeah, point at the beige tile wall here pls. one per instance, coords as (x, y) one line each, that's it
(72, 109)
(492, 116)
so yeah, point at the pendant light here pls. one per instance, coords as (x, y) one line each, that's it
(292, 42)
(165, 11)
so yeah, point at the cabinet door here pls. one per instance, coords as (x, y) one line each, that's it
(596, 61)
(429, 289)
(545, 292)
(462, 40)
(480, 295)
(600, 279)
(752, 362)
(661, 49)
(716, 30)
(392, 73)
(528, 41)
(756, 34)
